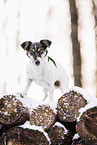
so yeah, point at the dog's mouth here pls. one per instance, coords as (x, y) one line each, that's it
(37, 62)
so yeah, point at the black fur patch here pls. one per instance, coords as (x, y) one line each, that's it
(57, 83)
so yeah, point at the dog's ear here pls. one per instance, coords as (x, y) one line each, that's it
(26, 45)
(46, 43)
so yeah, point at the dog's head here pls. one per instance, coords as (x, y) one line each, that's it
(37, 50)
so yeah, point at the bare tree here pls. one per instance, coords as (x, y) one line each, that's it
(75, 44)
(95, 14)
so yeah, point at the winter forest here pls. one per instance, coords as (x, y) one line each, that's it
(71, 25)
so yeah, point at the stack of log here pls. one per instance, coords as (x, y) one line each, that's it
(43, 125)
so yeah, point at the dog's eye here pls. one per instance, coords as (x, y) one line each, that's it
(41, 51)
(31, 53)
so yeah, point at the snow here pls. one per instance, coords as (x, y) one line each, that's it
(76, 136)
(85, 20)
(31, 104)
(33, 127)
(87, 96)
(52, 106)
(6, 113)
(60, 125)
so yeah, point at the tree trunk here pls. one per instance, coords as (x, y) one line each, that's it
(75, 44)
(95, 14)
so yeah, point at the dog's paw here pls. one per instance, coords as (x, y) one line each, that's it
(21, 94)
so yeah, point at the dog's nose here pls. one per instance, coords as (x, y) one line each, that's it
(37, 62)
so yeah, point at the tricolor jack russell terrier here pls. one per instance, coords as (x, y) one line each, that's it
(44, 70)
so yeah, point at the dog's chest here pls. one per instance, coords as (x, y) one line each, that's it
(38, 74)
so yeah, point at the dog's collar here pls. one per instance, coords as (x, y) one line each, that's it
(49, 58)
(46, 53)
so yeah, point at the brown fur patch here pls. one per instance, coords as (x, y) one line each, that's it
(57, 83)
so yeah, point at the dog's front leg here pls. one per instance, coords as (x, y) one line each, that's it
(45, 90)
(51, 94)
(28, 83)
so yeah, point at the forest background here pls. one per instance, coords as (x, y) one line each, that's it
(71, 25)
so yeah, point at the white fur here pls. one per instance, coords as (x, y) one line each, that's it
(45, 75)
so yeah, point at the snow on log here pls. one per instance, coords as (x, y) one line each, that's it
(75, 111)
(43, 116)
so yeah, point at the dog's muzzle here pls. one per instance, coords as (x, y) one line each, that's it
(37, 62)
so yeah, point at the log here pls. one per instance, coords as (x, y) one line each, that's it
(12, 111)
(70, 126)
(87, 126)
(16, 142)
(59, 134)
(78, 142)
(21, 136)
(43, 116)
(68, 106)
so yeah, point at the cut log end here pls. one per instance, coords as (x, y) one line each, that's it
(69, 105)
(43, 116)
(87, 126)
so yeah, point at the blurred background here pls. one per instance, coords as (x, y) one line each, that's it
(71, 25)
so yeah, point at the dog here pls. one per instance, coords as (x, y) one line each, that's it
(42, 69)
